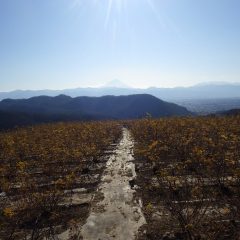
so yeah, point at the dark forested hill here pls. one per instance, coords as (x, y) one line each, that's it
(231, 112)
(11, 119)
(64, 108)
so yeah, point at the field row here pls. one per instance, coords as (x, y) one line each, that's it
(189, 176)
(46, 174)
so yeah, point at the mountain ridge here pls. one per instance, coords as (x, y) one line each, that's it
(64, 108)
(200, 91)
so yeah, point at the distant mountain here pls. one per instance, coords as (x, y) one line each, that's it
(217, 83)
(117, 88)
(65, 108)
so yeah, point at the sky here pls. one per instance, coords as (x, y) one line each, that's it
(58, 44)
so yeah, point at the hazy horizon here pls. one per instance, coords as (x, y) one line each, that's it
(69, 44)
(127, 86)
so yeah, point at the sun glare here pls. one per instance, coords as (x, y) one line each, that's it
(113, 7)
(116, 13)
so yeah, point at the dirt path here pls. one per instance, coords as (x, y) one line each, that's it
(117, 216)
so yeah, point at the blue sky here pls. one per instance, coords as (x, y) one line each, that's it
(60, 44)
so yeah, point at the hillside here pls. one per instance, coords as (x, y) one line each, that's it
(232, 112)
(11, 119)
(64, 108)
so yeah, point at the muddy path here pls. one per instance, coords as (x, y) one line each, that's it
(117, 215)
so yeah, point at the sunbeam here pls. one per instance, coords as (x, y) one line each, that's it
(109, 9)
(117, 7)
(118, 15)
